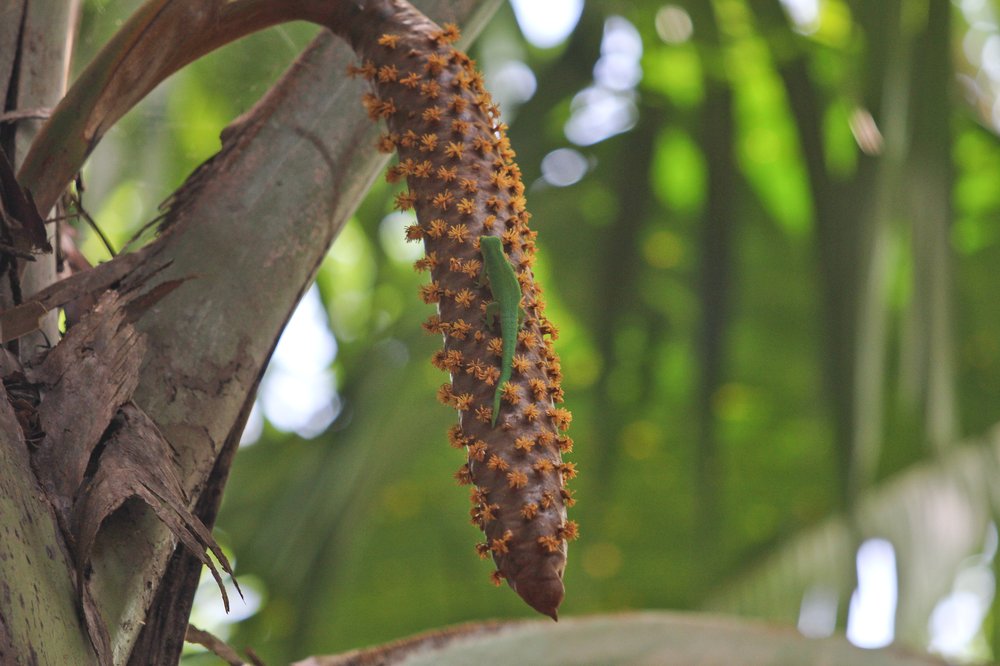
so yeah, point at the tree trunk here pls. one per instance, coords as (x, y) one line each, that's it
(243, 239)
(36, 45)
(38, 609)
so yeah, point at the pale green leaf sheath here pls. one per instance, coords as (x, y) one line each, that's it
(506, 305)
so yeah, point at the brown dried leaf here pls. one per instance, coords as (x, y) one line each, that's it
(20, 320)
(92, 430)
(214, 644)
(80, 291)
(84, 380)
(91, 282)
(138, 462)
(139, 303)
(96, 629)
(9, 364)
(19, 214)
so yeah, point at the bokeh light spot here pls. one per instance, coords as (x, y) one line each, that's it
(602, 560)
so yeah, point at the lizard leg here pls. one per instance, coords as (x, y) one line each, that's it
(492, 314)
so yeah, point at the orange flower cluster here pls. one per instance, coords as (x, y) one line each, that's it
(463, 183)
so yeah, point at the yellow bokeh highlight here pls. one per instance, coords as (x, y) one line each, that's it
(401, 500)
(733, 402)
(601, 560)
(640, 439)
(586, 364)
(663, 249)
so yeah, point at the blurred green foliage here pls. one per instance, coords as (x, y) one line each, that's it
(714, 274)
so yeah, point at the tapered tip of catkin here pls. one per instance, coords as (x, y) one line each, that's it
(543, 594)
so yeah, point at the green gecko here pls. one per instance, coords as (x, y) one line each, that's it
(506, 304)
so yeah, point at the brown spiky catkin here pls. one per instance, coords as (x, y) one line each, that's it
(463, 183)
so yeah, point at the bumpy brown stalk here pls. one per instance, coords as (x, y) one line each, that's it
(463, 183)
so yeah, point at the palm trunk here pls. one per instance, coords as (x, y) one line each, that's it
(243, 239)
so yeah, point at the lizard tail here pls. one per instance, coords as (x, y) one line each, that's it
(496, 406)
(504, 378)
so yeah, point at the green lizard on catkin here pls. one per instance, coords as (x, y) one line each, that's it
(506, 306)
(471, 212)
